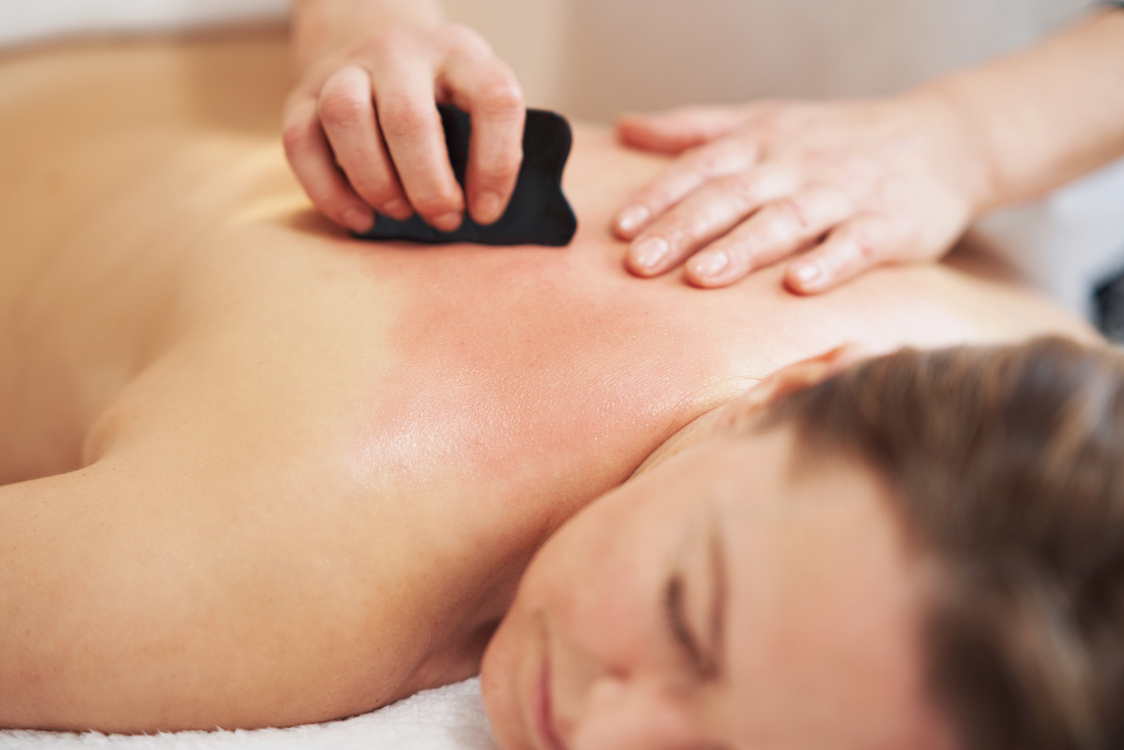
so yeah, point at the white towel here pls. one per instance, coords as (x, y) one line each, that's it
(448, 718)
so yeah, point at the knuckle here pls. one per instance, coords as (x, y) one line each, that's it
(435, 202)
(501, 96)
(686, 229)
(406, 117)
(760, 247)
(704, 160)
(866, 241)
(330, 200)
(373, 189)
(658, 197)
(297, 138)
(746, 185)
(333, 207)
(340, 109)
(793, 214)
(752, 242)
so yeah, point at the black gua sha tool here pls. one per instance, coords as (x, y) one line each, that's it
(538, 213)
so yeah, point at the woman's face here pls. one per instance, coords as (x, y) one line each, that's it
(719, 600)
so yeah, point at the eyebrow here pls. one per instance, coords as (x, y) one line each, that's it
(716, 544)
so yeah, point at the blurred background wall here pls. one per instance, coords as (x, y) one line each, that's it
(529, 34)
(23, 21)
(595, 58)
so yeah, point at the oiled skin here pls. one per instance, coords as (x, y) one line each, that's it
(257, 473)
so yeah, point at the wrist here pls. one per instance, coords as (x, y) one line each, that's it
(969, 154)
(322, 29)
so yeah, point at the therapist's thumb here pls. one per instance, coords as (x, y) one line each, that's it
(679, 129)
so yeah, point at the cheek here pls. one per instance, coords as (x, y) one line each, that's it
(499, 685)
(608, 613)
(578, 553)
(601, 596)
(595, 588)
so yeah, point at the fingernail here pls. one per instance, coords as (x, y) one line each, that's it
(712, 264)
(649, 252)
(358, 221)
(808, 275)
(447, 222)
(396, 209)
(488, 208)
(631, 218)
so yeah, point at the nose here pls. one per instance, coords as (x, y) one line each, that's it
(619, 713)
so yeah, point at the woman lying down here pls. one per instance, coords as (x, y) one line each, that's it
(258, 473)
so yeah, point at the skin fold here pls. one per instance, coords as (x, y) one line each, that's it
(257, 473)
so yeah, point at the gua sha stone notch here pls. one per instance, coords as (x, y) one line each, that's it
(538, 213)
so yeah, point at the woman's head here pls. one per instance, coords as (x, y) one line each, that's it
(924, 550)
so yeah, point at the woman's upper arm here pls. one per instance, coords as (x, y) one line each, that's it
(114, 614)
(140, 594)
(75, 581)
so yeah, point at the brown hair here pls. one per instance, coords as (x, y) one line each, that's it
(1006, 464)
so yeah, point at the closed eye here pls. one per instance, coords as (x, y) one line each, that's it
(681, 631)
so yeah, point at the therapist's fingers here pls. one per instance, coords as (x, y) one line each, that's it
(676, 130)
(486, 88)
(705, 215)
(348, 117)
(411, 128)
(778, 230)
(720, 158)
(850, 249)
(314, 165)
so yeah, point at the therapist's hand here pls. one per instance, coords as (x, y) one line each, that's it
(849, 185)
(362, 132)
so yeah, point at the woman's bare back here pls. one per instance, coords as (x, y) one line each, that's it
(260, 473)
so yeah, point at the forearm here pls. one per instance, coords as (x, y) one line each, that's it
(1048, 114)
(321, 27)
